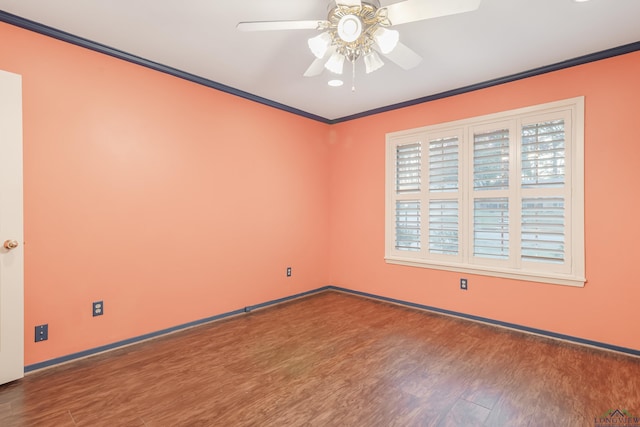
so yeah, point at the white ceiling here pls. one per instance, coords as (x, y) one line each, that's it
(501, 38)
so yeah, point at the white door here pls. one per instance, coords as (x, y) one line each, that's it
(11, 237)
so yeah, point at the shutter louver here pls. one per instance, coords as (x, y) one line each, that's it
(408, 165)
(443, 164)
(491, 160)
(408, 225)
(543, 233)
(543, 155)
(491, 228)
(443, 227)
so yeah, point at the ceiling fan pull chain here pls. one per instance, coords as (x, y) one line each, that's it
(353, 78)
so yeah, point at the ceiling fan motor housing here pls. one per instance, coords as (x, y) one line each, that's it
(333, 4)
(349, 28)
(352, 27)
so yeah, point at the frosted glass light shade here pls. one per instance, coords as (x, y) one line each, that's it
(372, 62)
(320, 44)
(335, 64)
(387, 40)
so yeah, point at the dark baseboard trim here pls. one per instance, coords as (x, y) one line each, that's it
(527, 329)
(513, 326)
(107, 50)
(134, 340)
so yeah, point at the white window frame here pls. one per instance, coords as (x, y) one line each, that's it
(571, 272)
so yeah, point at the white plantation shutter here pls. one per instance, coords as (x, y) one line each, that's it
(408, 164)
(543, 229)
(408, 225)
(491, 160)
(443, 164)
(543, 155)
(444, 183)
(408, 209)
(499, 195)
(543, 172)
(491, 228)
(443, 227)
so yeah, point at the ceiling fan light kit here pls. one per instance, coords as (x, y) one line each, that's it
(320, 44)
(372, 62)
(387, 40)
(355, 29)
(335, 64)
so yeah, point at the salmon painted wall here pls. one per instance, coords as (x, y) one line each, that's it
(605, 309)
(173, 202)
(168, 200)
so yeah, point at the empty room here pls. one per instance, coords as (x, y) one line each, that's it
(320, 213)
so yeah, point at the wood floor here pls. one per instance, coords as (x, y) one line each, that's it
(332, 359)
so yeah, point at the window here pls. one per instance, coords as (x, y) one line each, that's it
(499, 195)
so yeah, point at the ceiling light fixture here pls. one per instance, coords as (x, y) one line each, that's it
(360, 28)
(372, 62)
(335, 83)
(320, 44)
(387, 40)
(335, 64)
(354, 31)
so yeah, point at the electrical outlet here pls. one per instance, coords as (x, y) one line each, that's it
(98, 308)
(288, 271)
(42, 333)
(463, 284)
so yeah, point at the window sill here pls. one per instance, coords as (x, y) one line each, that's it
(550, 278)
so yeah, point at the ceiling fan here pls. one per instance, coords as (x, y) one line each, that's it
(355, 29)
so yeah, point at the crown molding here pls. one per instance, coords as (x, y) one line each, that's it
(107, 50)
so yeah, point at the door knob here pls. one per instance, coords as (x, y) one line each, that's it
(10, 244)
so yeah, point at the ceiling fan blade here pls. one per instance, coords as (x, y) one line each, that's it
(316, 68)
(279, 25)
(418, 10)
(403, 56)
(349, 2)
